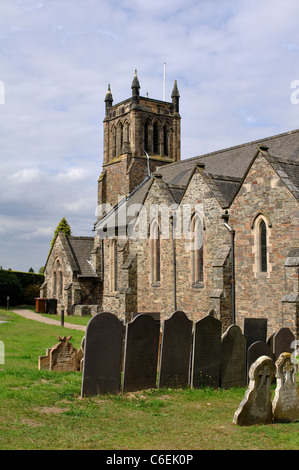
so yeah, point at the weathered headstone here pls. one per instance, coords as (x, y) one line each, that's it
(286, 399)
(256, 350)
(64, 357)
(102, 355)
(233, 358)
(206, 352)
(282, 342)
(175, 351)
(44, 361)
(256, 407)
(255, 329)
(141, 354)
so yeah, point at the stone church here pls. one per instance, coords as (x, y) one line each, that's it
(216, 233)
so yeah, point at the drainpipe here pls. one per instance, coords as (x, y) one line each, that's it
(172, 218)
(225, 217)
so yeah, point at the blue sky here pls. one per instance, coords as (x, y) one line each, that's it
(234, 62)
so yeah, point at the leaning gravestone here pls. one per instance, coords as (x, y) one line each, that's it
(206, 352)
(102, 355)
(256, 350)
(256, 407)
(233, 358)
(141, 354)
(255, 329)
(286, 399)
(282, 342)
(175, 351)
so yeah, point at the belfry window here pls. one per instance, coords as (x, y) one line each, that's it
(156, 138)
(165, 140)
(155, 252)
(119, 139)
(146, 138)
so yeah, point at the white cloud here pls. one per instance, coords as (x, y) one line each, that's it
(234, 61)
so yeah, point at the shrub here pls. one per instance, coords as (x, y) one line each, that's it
(31, 293)
(10, 286)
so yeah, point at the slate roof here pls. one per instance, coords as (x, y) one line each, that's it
(78, 251)
(227, 167)
(81, 248)
(223, 170)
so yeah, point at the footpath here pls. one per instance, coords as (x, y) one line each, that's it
(37, 317)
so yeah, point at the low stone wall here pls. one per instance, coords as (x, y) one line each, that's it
(82, 310)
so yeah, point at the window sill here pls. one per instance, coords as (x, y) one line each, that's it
(156, 284)
(197, 285)
(262, 275)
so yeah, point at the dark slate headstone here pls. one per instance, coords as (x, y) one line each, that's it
(256, 350)
(282, 342)
(102, 355)
(255, 329)
(206, 352)
(233, 358)
(175, 351)
(141, 354)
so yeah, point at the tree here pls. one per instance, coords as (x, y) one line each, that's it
(64, 227)
(31, 270)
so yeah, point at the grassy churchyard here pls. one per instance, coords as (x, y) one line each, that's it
(43, 410)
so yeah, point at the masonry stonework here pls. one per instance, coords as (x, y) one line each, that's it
(250, 191)
(260, 293)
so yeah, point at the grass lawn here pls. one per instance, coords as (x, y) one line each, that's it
(43, 410)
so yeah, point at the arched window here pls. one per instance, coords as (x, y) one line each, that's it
(113, 265)
(261, 226)
(155, 252)
(156, 138)
(263, 255)
(165, 140)
(57, 289)
(119, 139)
(54, 284)
(127, 132)
(196, 250)
(113, 146)
(146, 136)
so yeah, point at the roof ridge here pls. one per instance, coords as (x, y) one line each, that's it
(234, 147)
(80, 237)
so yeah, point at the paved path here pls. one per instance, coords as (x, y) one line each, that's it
(36, 316)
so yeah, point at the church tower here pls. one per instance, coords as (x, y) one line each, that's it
(140, 134)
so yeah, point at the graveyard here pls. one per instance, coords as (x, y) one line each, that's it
(58, 409)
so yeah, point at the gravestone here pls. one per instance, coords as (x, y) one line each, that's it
(44, 361)
(256, 407)
(141, 354)
(255, 329)
(175, 351)
(233, 358)
(206, 352)
(256, 350)
(286, 399)
(102, 355)
(282, 342)
(64, 357)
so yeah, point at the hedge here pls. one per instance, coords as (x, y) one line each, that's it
(21, 287)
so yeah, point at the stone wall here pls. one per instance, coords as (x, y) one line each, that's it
(195, 301)
(259, 294)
